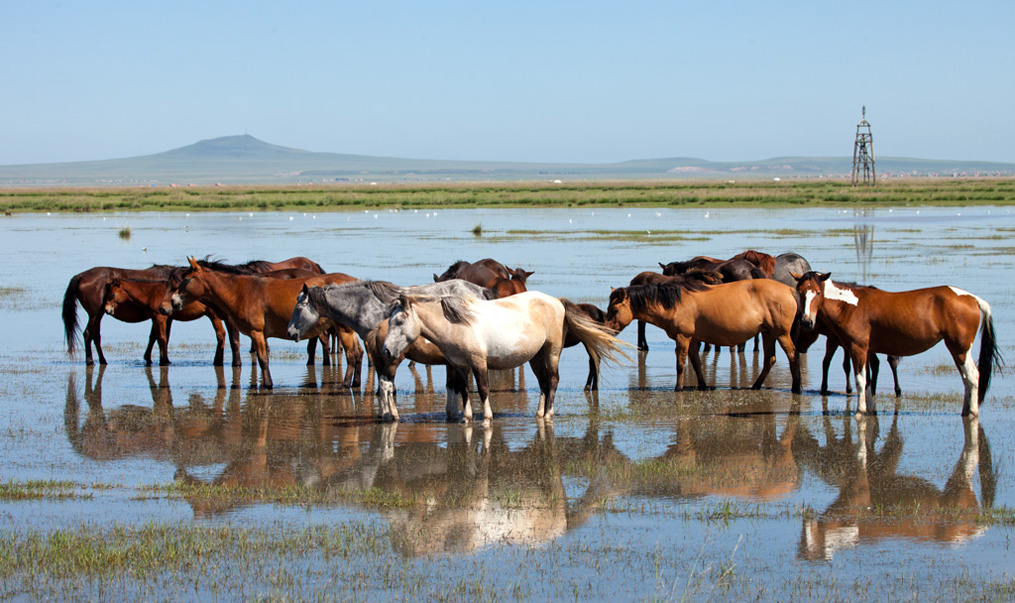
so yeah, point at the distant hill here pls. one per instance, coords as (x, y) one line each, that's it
(247, 160)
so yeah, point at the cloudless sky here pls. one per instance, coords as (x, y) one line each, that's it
(546, 80)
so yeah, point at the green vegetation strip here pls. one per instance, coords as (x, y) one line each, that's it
(922, 192)
(39, 490)
(103, 551)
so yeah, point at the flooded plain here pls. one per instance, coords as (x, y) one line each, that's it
(635, 492)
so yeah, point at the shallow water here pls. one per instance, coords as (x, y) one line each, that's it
(635, 473)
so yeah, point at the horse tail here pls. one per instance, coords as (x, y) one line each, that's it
(70, 314)
(990, 355)
(599, 340)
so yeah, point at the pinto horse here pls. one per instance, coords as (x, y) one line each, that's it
(260, 307)
(726, 314)
(868, 320)
(146, 296)
(364, 306)
(488, 273)
(477, 335)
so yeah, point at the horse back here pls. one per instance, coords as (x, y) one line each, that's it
(905, 323)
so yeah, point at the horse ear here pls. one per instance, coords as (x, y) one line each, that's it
(114, 282)
(528, 274)
(405, 301)
(193, 263)
(306, 290)
(824, 277)
(662, 265)
(796, 276)
(435, 277)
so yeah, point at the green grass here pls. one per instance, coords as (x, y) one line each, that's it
(832, 193)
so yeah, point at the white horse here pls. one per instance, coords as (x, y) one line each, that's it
(480, 335)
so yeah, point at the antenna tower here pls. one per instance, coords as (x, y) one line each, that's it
(863, 153)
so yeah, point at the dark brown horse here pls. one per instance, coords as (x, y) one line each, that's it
(732, 270)
(260, 307)
(146, 296)
(867, 320)
(724, 314)
(89, 288)
(488, 273)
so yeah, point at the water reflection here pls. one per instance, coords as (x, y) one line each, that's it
(462, 488)
(875, 502)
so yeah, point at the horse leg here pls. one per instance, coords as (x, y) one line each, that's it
(683, 344)
(483, 385)
(153, 336)
(92, 335)
(220, 341)
(787, 345)
(262, 357)
(353, 357)
(457, 385)
(642, 342)
(873, 368)
(692, 352)
(592, 382)
(325, 348)
(539, 369)
(165, 328)
(768, 345)
(893, 363)
(551, 360)
(858, 356)
(826, 362)
(966, 364)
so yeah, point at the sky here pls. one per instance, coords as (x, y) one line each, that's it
(491, 80)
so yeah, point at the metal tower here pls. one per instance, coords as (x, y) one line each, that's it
(863, 153)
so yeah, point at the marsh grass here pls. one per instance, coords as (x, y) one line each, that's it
(124, 233)
(290, 495)
(14, 490)
(937, 192)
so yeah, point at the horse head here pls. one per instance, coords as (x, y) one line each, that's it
(403, 327)
(811, 287)
(305, 316)
(618, 312)
(111, 295)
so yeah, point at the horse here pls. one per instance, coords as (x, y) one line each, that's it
(478, 335)
(89, 288)
(259, 307)
(649, 277)
(732, 270)
(726, 314)
(596, 315)
(146, 295)
(787, 264)
(490, 274)
(868, 320)
(364, 306)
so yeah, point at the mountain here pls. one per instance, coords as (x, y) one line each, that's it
(247, 160)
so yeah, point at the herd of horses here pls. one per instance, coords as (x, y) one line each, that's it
(480, 316)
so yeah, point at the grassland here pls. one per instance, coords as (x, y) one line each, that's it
(923, 192)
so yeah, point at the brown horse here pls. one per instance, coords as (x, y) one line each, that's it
(146, 295)
(89, 287)
(488, 273)
(596, 315)
(725, 314)
(868, 320)
(650, 278)
(260, 307)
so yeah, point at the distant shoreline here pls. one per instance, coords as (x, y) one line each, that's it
(636, 193)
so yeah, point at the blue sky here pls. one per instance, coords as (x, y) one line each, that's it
(516, 81)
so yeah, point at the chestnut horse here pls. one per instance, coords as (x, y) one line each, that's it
(477, 335)
(649, 278)
(488, 273)
(146, 296)
(868, 320)
(726, 314)
(260, 307)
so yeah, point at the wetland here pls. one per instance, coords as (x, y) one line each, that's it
(188, 482)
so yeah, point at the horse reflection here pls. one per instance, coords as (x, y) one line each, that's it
(875, 502)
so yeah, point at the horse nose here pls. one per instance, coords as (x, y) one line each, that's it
(387, 352)
(293, 334)
(807, 323)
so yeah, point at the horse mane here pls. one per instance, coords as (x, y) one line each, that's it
(254, 266)
(220, 266)
(454, 269)
(456, 310)
(763, 261)
(667, 295)
(382, 290)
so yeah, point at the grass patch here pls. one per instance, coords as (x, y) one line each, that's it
(14, 490)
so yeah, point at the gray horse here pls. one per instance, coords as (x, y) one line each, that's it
(364, 306)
